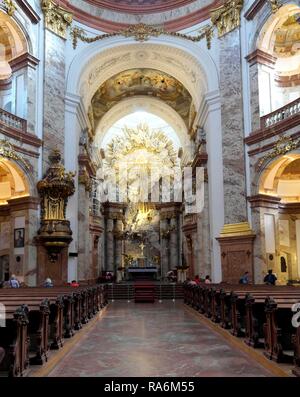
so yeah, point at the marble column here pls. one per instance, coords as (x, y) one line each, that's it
(84, 236)
(119, 243)
(110, 245)
(231, 88)
(203, 263)
(174, 245)
(164, 247)
(54, 94)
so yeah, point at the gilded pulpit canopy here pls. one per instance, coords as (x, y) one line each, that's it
(55, 232)
(55, 189)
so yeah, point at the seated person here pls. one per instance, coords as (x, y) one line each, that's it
(48, 283)
(13, 282)
(74, 283)
(207, 280)
(270, 278)
(244, 279)
(197, 279)
(171, 276)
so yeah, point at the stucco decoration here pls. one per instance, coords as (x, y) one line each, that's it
(177, 63)
(141, 82)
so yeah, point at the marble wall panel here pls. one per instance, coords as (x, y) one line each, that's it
(232, 128)
(54, 94)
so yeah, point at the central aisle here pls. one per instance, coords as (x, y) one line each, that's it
(154, 340)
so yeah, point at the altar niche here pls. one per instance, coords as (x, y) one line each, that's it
(142, 239)
(142, 242)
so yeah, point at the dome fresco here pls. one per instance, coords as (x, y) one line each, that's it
(114, 15)
(142, 6)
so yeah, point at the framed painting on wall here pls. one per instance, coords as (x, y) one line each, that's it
(19, 238)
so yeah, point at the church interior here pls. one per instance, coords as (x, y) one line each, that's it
(149, 188)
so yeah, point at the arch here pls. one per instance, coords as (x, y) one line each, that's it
(14, 182)
(265, 38)
(271, 179)
(148, 104)
(186, 61)
(13, 43)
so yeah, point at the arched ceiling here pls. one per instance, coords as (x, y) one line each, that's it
(141, 6)
(110, 16)
(287, 36)
(142, 82)
(13, 183)
(12, 43)
(282, 178)
(147, 104)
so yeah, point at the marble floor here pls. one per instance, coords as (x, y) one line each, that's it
(161, 339)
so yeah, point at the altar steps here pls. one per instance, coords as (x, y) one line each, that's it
(144, 292)
(161, 291)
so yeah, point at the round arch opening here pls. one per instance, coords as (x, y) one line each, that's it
(13, 182)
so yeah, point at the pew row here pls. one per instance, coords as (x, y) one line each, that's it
(260, 314)
(38, 320)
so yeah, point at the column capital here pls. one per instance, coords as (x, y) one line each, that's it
(23, 61)
(57, 19)
(262, 58)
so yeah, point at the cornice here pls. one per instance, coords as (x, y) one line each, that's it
(29, 11)
(261, 57)
(254, 9)
(289, 208)
(269, 132)
(22, 61)
(22, 137)
(288, 81)
(269, 146)
(264, 200)
(23, 203)
(84, 160)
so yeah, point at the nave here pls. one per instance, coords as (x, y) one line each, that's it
(150, 340)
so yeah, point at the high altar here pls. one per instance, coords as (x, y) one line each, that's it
(142, 268)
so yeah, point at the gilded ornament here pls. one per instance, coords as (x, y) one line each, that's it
(7, 151)
(284, 145)
(55, 189)
(142, 32)
(275, 5)
(57, 19)
(10, 7)
(57, 186)
(227, 17)
(85, 180)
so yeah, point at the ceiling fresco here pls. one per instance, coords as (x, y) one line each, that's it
(137, 82)
(142, 6)
(287, 37)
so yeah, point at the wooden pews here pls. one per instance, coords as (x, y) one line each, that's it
(38, 319)
(260, 314)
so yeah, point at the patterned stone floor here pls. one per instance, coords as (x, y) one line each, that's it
(154, 340)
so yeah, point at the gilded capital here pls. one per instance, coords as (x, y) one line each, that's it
(227, 17)
(10, 7)
(275, 5)
(57, 19)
